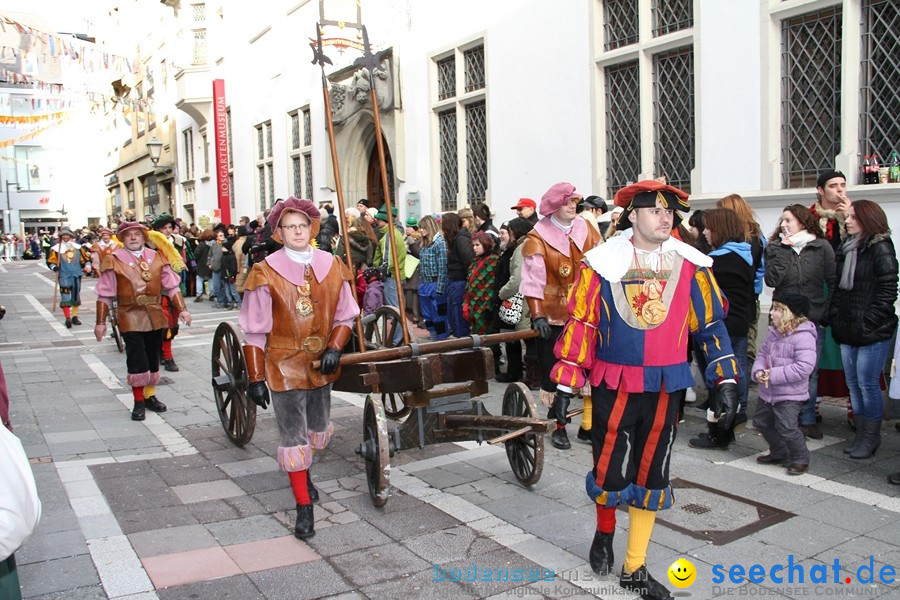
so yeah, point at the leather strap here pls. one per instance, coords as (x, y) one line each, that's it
(102, 312)
(339, 338)
(255, 360)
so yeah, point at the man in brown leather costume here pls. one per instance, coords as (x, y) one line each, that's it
(552, 252)
(298, 307)
(138, 277)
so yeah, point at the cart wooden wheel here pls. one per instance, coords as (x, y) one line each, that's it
(116, 334)
(375, 450)
(395, 407)
(229, 380)
(381, 329)
(526, 452)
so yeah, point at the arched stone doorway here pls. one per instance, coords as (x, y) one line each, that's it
(374, 187)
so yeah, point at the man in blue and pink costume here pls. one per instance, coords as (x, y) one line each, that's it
(635, 300)
(297, 309)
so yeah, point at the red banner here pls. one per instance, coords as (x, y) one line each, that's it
(221, 123)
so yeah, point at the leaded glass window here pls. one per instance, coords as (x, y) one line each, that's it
(810, 95)
(623, 126)
(672, 15)
(448, 159)
(879, 119)
(620, 23)
(673, 116)
(295, 131)
(474, 62)
(476, 153)
(298, 182)
(446, 71)
(307, 169)
(307, 128)
(260, 143)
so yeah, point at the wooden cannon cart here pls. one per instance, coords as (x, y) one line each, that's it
(427, 390)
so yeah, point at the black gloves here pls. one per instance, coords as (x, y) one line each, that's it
(560, 407)
(725, 404)
(331, 358)
(542, 327)
(259, 393)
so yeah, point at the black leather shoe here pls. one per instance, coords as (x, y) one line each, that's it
(584, 435)
(894, 478)
(311, 490)
(138, 413)
(151, 403)
(601, 555)
(507, 377)
(76, 321)
(811, 431)
(768, 459)
(560, 439)
(68, 323)
(641, 582)
(797, 469)
(169, 364)
(305, 526)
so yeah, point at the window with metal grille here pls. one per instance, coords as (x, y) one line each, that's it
(298, 178)
(476, 152)
(200, 52)
(474, 63)
(879, 119)
(188, 141)
(623, 126)
(446, 72)
(205, 141)
(672, 15)
(268, 128)
(307, 128)
(260, 143)
(307, 171)
(448, 159)
(295, 130)
(620, 23)
(261, 174)
(673, 116)
(270, 180)
(810, 95)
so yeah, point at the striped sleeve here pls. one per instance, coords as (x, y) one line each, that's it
(708, 308)
(575, 348)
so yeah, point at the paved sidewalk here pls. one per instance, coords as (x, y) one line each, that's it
(169, 508)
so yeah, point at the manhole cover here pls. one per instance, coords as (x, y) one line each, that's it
(718, 517)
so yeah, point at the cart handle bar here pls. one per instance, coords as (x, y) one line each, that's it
(441, 346)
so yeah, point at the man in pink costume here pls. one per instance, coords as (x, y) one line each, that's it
(298, 307)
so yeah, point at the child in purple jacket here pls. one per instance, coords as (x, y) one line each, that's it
(782, 368)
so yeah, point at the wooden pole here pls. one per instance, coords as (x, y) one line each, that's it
(390, 241)
(339, 190)
(386, 354)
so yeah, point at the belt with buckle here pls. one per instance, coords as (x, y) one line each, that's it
(312, 344)
(141, 300)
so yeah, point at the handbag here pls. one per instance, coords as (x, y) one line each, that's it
(510, 311)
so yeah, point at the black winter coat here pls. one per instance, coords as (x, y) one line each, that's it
(865, 314)
(459, 256)
(809, 273)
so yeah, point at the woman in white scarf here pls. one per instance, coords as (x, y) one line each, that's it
(800, 261)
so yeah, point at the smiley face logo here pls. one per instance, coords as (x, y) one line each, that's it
(682, 573)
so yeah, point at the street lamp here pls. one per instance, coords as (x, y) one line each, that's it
(154, 147)
(6, 219)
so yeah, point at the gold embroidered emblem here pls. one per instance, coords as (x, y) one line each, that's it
(145, 270)
(653, 311)
(304, 303)
(70, 255)
(565, 269)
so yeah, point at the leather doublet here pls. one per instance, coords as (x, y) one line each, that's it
(139, 301)
(561, 271)
(297, 340)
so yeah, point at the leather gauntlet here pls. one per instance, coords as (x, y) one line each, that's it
(339, 338)
(536, 306)
(255, 359)
(102, 312)
(178, 303)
